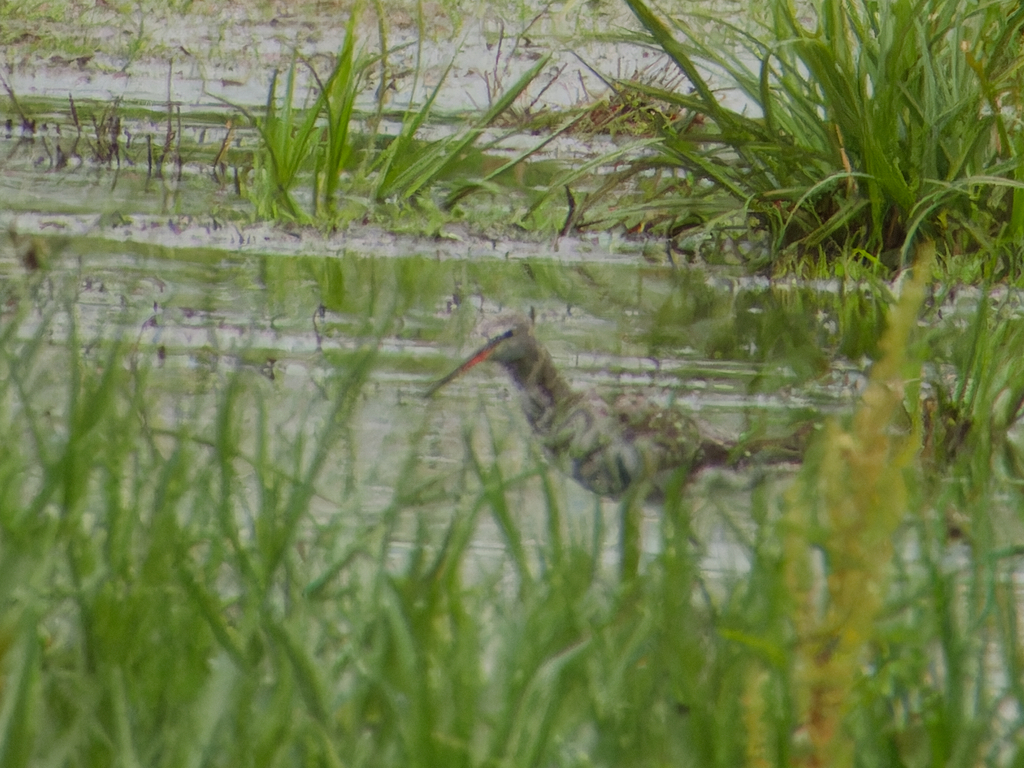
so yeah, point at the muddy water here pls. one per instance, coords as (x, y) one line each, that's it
(152, 247)
(198, 60)
(196, 299)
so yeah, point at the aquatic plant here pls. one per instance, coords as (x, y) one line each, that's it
(406, 166)
(322, 133)
(338, 96)
(288, 137)
(878, 123)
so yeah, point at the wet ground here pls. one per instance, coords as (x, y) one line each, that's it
(227, 52)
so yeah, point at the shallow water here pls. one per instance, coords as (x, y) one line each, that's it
(163, 256)
(196, 300)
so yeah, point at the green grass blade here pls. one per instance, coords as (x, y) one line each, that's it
(441, 156)
(664, 38)
(22, 666)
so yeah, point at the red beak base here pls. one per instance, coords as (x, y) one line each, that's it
(477, 357)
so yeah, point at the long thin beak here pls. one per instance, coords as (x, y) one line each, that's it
(477, 357)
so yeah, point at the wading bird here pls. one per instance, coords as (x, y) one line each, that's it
(609, 447)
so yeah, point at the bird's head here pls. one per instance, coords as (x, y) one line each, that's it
(514, 341)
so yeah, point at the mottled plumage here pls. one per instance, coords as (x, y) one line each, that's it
(606, 448)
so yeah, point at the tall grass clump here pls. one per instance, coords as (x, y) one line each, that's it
(320, 141)
(868, 124)
(292, 137)
(338, 97)
(288, 136)
(970, 425)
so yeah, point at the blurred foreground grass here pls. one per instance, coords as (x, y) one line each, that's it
(182, 583)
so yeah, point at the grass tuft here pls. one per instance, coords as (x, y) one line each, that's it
(320, 140)
(879, 124)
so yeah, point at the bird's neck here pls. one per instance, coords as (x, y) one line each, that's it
(543, 388)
